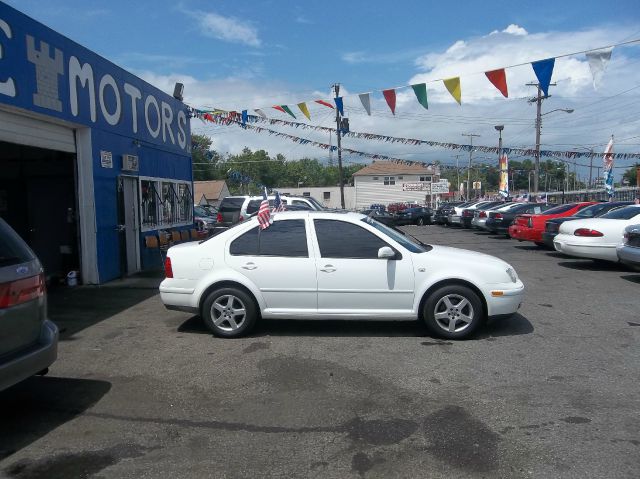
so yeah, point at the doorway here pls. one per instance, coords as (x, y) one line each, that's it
(129, 224)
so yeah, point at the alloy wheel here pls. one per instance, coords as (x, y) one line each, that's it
(228, 312)
(453, 313)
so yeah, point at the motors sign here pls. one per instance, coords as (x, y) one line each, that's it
(420, 186)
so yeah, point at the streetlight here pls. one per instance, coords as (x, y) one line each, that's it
(538, 128)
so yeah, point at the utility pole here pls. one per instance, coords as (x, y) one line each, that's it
(336, 87)
(590, 168)
(538, 101)
(458, 174)
(470, 135)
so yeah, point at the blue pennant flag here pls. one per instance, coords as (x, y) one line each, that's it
(245, 117)
(543, 70)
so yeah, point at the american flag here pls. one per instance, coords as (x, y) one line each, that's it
(278, 204)
(264, 215)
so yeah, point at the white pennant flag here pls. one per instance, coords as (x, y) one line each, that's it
(366, 102)
(598, 60)
(260, 112)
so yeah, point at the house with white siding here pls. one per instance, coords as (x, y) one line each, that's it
(386, 182)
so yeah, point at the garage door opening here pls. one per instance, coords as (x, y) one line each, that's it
(38, 199)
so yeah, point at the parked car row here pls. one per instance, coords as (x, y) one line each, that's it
(416, 215)
(608, 231)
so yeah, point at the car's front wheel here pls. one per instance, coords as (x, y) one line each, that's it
(229, 312)
(453, 312)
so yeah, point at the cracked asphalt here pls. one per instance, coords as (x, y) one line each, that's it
(142, 392)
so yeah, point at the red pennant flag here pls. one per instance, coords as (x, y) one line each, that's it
(499, 80)
(390, 96)
(279, 108)
(322, 102)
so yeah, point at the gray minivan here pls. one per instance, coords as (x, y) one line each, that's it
(28, 340)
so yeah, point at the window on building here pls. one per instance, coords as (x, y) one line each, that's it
(425, 178)
(306, 193)
(400, 177)
(282, 238)
(375, 178)
(326, 195)
(389, 180)
(165, 203)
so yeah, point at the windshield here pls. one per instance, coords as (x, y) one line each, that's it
(315, 203)
(625, 213)
(397, 237)
(591, 211)
(560, 209)
(200, 211)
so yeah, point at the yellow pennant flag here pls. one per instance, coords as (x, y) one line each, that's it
(453, 85)
(304, 109)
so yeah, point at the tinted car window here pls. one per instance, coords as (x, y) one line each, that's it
(231, 204)
(253, 206)
(560, 209)
(12, 248)
(282, 238)
(625, 213)
(339, 239)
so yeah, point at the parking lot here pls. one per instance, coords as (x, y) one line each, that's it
(139, 391)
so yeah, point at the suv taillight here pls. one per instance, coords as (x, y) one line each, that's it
(587, 232)
(219, 217)
(168, 270)
(21, 291)
(497, 216)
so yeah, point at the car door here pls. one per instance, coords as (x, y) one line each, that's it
(278, 262)
(352, 280)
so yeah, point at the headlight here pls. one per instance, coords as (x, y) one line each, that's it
(512, 274)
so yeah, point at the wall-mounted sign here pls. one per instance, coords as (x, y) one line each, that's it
(440, 187)
(106, 159)
(421, 186)
(130, 163)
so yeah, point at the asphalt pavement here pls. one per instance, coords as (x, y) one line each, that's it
(142, 392)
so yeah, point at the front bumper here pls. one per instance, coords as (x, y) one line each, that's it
(508, 302)
(24, 364)
(547, 239)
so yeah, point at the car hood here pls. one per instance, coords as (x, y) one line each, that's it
(464, 256)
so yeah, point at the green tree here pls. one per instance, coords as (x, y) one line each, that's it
(630, 175)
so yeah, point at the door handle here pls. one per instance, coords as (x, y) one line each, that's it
(249, 266)
(328, 268)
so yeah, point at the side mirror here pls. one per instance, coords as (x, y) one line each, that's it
(386, 253)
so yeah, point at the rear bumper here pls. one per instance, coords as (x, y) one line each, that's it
(605, 251)
(628, 255)
(523, 233)
(31, 361)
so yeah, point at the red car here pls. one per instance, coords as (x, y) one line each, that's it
(531, 227)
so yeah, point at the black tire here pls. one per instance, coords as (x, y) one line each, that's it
(539, 244)
(450, 315)
(420, 221)
(219, 307)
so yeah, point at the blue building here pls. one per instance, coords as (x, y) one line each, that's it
(92, 158)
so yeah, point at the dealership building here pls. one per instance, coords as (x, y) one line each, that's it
(92, 158)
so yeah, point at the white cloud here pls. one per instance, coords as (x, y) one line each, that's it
(228, 29)
(512, 29)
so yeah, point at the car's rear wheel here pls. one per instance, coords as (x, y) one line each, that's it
(453, 312)
(229, 312)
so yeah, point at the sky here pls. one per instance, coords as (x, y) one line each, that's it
(254, 54)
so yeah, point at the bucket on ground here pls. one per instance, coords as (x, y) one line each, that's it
(72, 278)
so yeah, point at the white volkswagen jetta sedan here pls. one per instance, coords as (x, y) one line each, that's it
(334, 265)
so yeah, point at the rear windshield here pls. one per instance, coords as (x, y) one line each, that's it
(560, 209)
(625, 213)
(12, 248)
(231, 204)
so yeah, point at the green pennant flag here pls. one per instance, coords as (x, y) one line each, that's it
(288, 110)
(420, 90)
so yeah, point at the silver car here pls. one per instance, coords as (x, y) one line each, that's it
(629, 250)
(28, 340)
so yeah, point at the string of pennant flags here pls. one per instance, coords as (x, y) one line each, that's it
(244, 120)
(597, 58)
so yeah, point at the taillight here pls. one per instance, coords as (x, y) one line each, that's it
(482, 214)
(21, 291)
(587, 232)
(240, 218)
(219, 218)
(168, 271)
(497, 216)
(467, 213)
